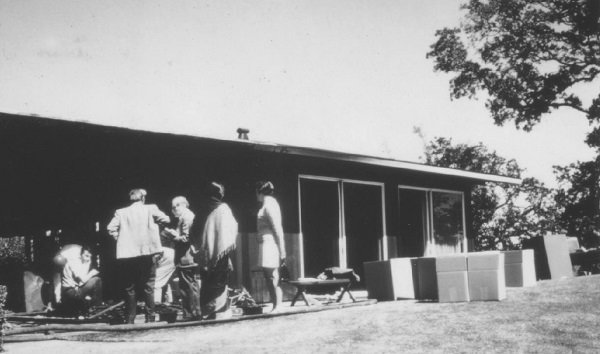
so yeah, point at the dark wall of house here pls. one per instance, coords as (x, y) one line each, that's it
(67, 175)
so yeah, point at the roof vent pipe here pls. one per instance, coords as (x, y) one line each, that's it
(243, 133)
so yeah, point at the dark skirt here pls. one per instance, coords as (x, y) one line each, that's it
(213, 293)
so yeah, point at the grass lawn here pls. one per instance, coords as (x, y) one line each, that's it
(559, 316)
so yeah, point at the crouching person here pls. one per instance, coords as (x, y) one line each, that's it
(81, 284)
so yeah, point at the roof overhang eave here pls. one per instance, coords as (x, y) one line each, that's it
(404, 165)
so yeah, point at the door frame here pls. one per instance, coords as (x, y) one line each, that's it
(342, 255)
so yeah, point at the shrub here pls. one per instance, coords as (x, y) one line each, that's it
(3, 324)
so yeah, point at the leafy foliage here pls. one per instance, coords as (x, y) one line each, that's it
(526, 55)
(12, 248)
(579, 192)
(3, 324)
(502, 213)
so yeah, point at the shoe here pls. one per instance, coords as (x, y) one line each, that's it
(192, 319)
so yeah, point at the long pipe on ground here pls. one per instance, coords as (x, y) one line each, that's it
(162, 325)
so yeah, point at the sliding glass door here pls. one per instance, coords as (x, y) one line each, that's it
(432, 222)
(341, 222)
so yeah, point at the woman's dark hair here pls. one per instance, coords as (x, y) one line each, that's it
(215, 190)
(265, 187)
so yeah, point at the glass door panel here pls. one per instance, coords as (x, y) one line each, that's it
(413, 222)
(447, 222)
(320, 224)
(363, 224)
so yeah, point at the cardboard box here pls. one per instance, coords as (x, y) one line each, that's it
(518, 256)
(452, 279)
(573, 244)
(427, 278)
(519, 275)
(519, 268)
(487, 285)
(414, 262)
(451, 263)
(390, 280)
(402, 278)
(551, 254)
(453, 286)
(378, 279)
(490, 260)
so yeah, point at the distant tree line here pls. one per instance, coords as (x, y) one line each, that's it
(504, 214)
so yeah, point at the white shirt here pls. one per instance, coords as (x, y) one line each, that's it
(75, 273)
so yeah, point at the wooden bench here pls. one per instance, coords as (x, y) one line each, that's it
(303, 286)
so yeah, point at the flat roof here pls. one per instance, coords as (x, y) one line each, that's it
(320, 153)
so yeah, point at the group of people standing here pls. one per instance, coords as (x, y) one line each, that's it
(146, 238)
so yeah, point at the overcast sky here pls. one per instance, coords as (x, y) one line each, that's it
(348, 75)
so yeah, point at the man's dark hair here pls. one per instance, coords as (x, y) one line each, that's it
(86, 248)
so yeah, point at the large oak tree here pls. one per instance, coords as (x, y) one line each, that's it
(527, 56)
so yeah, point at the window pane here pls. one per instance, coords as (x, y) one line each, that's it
(448, 229)
(413, 222)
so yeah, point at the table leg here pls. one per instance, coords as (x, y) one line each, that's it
(346, 289)
(352, 297)
(298, 293)
(304, 297)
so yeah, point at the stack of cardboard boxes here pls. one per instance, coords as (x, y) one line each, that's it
(477, 276)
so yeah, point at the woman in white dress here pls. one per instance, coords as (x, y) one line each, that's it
(271, 246)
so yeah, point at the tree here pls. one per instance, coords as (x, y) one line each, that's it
(528, 56)
(502, 213)
(579, 193)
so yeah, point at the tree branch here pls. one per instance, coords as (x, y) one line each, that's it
(566, 104)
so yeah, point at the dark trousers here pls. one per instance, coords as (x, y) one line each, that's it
(190, 291)
(138, 275)
(74, 298)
